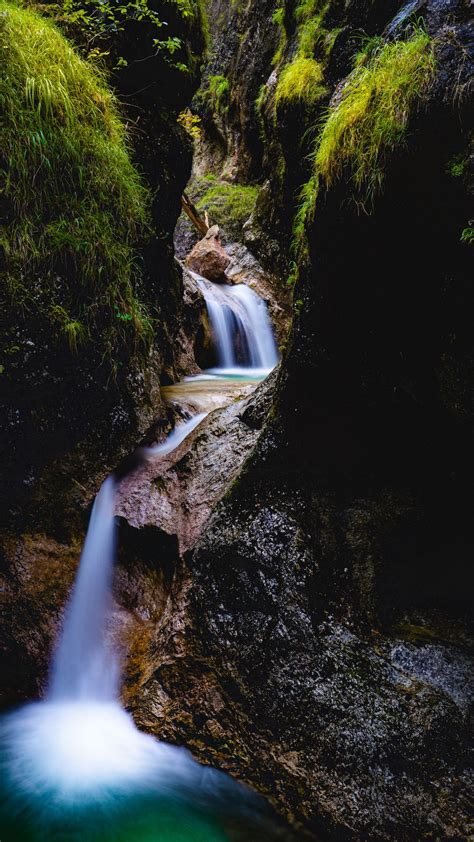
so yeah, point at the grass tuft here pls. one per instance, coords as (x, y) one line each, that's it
(371, 118)
(78, 206)
(300, 81)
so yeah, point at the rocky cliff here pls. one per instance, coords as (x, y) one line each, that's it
(322, 638)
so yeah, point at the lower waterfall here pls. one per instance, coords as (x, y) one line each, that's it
(75, 767)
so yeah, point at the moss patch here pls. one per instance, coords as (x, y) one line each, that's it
(76, 204)
(219, 93)
(228, 205)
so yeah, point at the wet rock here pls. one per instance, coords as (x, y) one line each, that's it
(176, 493)
(208, 258)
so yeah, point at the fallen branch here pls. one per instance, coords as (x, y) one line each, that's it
(201, 223)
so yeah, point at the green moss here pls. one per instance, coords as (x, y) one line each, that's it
(300, 81)
(228, 205)
(78, 205)
(371, 118)
(467, 236)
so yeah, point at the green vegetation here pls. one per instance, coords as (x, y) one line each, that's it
(370, 45)
(278, 19)
(301, 80)
(92, 24)
(78, 206)
(312, 36)
(304, 214)
(228, 205)
(219, 93)
(467, 235)
(458, 167)
(371, 119)
(191, 123)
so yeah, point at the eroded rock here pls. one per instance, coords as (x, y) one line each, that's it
(177, 492)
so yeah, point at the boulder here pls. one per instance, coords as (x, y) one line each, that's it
(208, 258)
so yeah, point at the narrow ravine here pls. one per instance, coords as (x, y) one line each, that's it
(236, 420)
(76, 758)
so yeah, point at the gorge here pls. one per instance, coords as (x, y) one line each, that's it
(268, 634)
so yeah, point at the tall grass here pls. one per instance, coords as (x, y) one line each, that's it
(300, 81)
(78, 206)
(370, 120)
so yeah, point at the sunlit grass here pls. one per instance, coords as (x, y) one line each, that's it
(301, 80)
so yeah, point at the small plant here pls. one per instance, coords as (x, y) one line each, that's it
(467, 235)
(219, 94)
(458, 166)
(191, 123)
(306, 210)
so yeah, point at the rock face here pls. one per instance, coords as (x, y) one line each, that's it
(208, 258)
(178, 492)
(318, 644)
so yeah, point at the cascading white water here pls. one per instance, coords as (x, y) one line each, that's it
(74, 766)
(241, 327)
(83, 668)
(180, 432)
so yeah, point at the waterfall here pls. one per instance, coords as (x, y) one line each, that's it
(241, 327)
(82, 667)
(74, 766)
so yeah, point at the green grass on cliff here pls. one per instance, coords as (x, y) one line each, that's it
(370, 120)
(300, 81)
(76, 205)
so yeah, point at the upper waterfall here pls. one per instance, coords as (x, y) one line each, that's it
(241, 326)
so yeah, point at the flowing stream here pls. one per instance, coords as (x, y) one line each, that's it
(74, 766)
